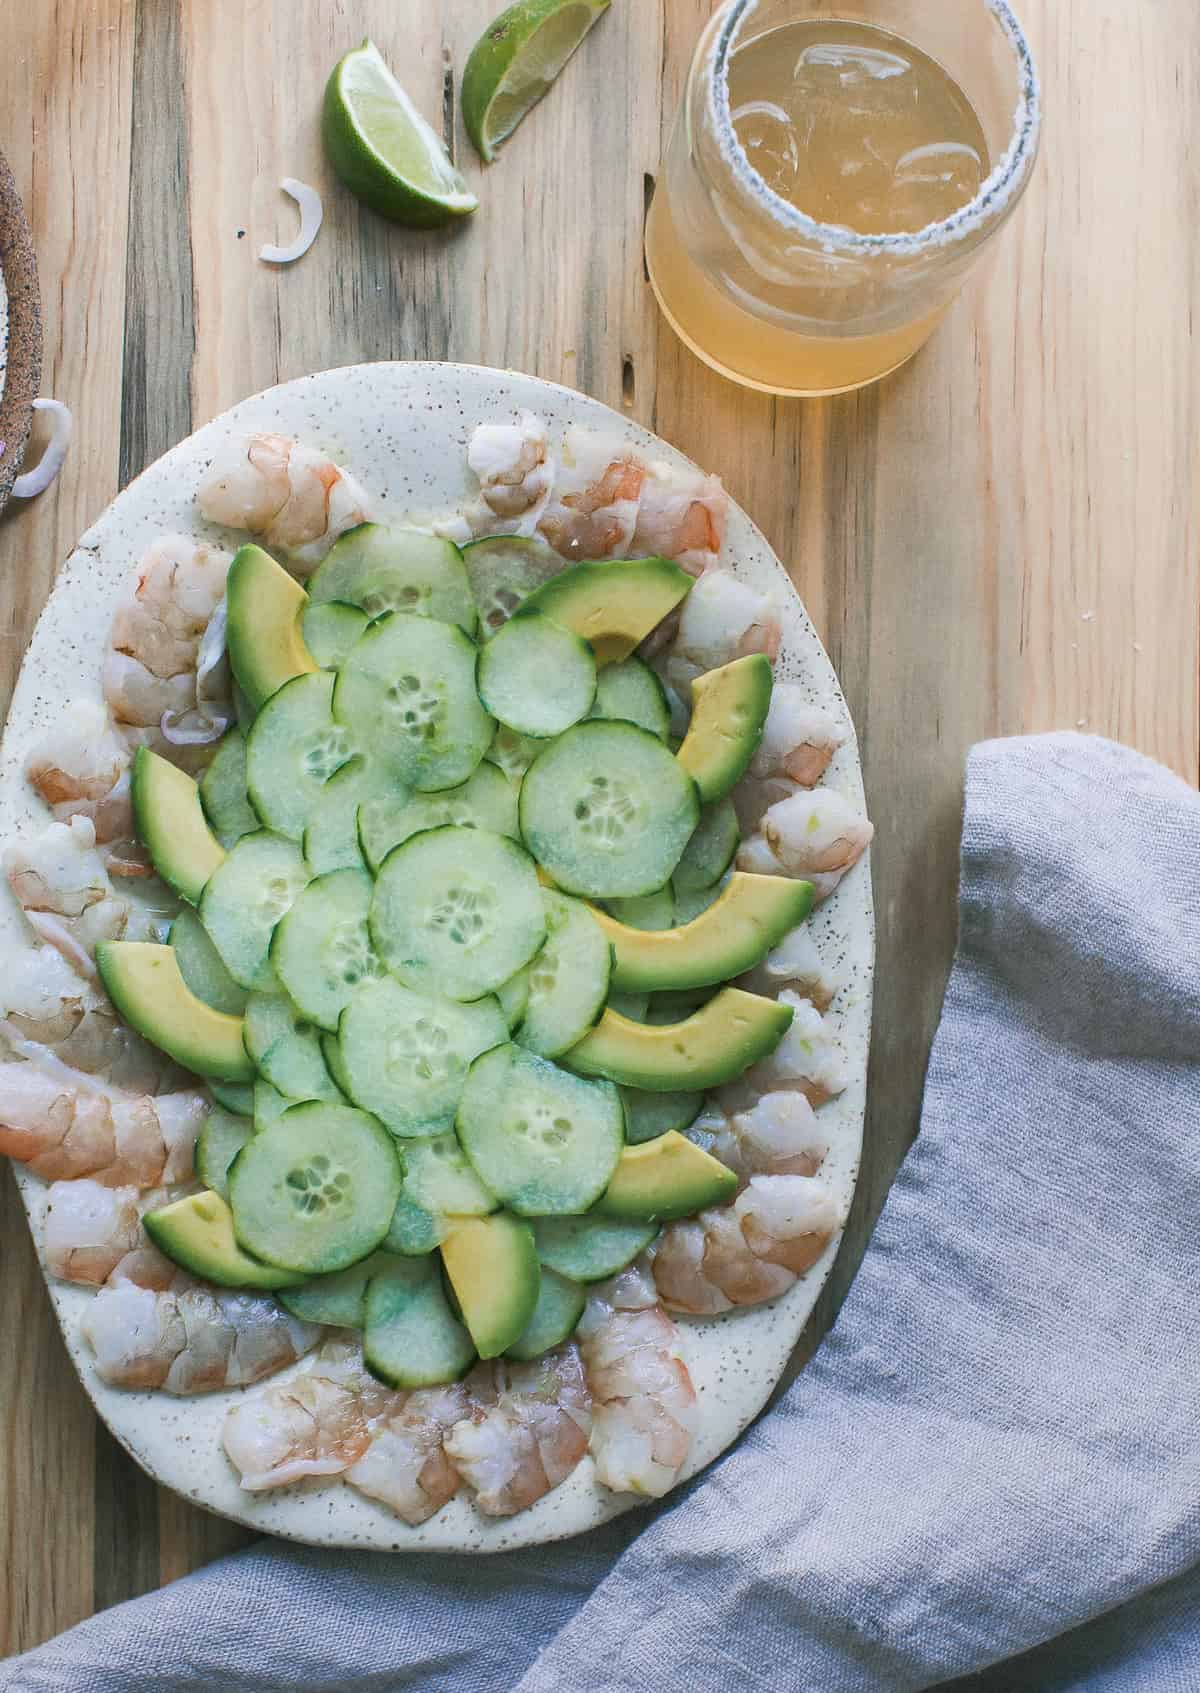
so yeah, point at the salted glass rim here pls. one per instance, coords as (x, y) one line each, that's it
(996, 192)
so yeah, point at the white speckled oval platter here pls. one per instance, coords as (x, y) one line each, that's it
(403, 428)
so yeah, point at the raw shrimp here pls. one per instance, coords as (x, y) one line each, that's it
(150, 673)
(64, 1124)
(153, 1325)
(752, 1250)
(644, 1407)
(817, 835)
(80, 768)
(807, 1060)
(797, 964)
(593, 509)
(406, 1466)
(527, 1429)
(722, 619)
(777, 1134)
(89, 1229)
(62, 885)
(317, 1423)
(681, 516)
(294, 498)
(799, 739)
(516, 474)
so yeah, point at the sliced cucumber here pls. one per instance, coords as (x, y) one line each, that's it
(223, 792)
(197, 1233)
(556, 1315)
(514, 997)
(648, 911)
(613, 603)
(322, 951)
(486, 800)
(331, 1052)
(710, 851)
(340, 1300)
(405, 1056)
(245, 898)
(503, 570)
(513, 753)
(331, 629)
(607, 810)
(539, 1141)
(286, 1049)
(293, 749)
(630, 692)
(493, 1269)
(568, 980)
(412, 1338)
(457, 911)
(648, 1115)
(536, 677)
(632, 1005)
(266, 648)
(269, 1103)
(222, 1136)
(407, 696)
(171, 822)
(591, 1248)
(331, 835)
(439, 1176)
(235, 1097)
(405, 570)
(413, 1231)
(314, 1191)
(690, 902)
(201, 967)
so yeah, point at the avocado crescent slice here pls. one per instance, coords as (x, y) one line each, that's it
(493, 1268)
(612, 603)
(171, 822)
(145, 983)
(729, 709)
(263, 632)
(197, 1232)
(665, 1178)
(712, 1046)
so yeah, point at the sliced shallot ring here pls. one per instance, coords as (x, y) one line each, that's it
(34, 482)
(203, 735)
(311, 213)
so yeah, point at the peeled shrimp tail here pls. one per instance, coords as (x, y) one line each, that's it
(681, 516)
(777, 1134)
(89, 1228)
(808, 1060)
(799, 739)
(406, 1465)
(295, 498)
(815, 835)
(527, 1429)
(63, 1125)
(80, 768)
(722, 619)
(795, 964)
(644, 1406)
(593, 510)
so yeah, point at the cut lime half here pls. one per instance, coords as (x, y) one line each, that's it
(382, 148)
(515, 61)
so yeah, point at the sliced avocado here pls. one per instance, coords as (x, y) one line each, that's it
(612, 603)
(729, 708)
(147, 987)
(197, 1232)
(750, 916)
(493, 1268)
(559, 1307)
(170, 820)
(712, 1046)
(266, 645)
(665, 1178)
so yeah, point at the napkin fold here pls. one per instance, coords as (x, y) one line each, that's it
(990, 1470)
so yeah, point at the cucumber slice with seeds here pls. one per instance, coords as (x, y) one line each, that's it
(236, 1097)
(568, 980)
(223, 792)
(556, 1315)
(322, 950)
(648, 1115)
(244, 899)
(293, 749)
(457, 911)
(412, 1338)
(406, 570)
(331, 629)
(201, 967)
(504, 570)
(286, 1049)
(590, 1249)
(486, 800)
(607, 810)
(537, 1139)
(339, 1300)
(331, 835)
(405, 1055)
(536, 677)
(648, 911)
(439, 1183)
(222, 1136)
(710, 851)
(630, 692)
(331, 1052)
(407, 695)
(314, 1191)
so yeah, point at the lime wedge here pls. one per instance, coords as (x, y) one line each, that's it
(515, 61)
(382, 148)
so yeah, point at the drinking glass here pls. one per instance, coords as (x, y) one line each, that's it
(778, 301)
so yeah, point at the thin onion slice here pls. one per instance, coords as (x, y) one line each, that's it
(37, 480)
(311, 213)
(206, 731)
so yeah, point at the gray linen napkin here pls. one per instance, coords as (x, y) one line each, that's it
(997, 1449)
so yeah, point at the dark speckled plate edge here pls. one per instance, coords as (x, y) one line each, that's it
(19, 264)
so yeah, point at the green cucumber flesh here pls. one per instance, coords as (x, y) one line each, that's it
(339, 1300)
(536, 677)
(223, 792)
(201, 967)
(648, 1115)
(286, 1049)
(514, 997)
(630, 692)
(382, 569)
(245, 898)
(555, 1317)
(486, 800)
(322, 951)
(590, 1249)
(632, 1005)
(235, 1097)
(412, 1338)
(330, 629)
(504, 570)
(222, 1136)
(292, 751)
(711, 849)
(568, 980)
(513, 753)
(269, 1103)
(648, 911)
(331, 834)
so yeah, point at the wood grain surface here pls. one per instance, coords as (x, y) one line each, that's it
(1001, 538)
